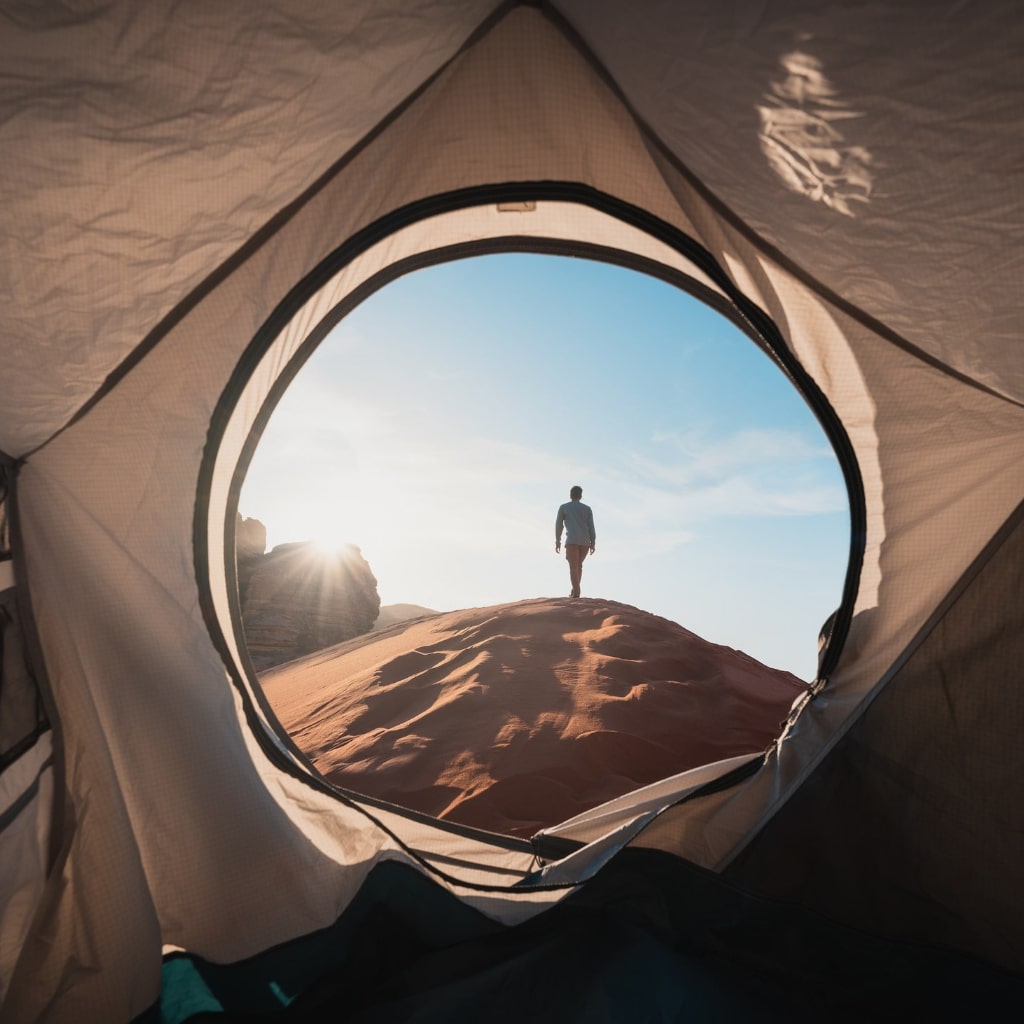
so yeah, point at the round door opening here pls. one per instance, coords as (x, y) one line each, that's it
(401, 593)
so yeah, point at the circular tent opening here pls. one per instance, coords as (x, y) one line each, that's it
(709, 479)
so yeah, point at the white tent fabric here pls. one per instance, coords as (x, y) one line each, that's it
(192, 191)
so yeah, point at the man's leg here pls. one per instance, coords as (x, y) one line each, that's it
(575, 553)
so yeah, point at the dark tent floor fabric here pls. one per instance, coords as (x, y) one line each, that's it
(652, 938)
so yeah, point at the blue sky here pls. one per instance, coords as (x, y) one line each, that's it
(443, 421)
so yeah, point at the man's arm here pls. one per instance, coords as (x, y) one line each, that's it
(593, 532)
(559, 523)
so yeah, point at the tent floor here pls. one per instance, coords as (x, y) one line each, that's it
(651, 938)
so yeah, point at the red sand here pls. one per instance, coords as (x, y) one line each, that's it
(517, 717)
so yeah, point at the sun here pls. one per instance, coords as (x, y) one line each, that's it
(330, 538)
(327, 530)
(330, 547)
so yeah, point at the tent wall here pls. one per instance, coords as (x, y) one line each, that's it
(911, 826)
(180, 168)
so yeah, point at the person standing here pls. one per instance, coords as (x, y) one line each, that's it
(580, 537)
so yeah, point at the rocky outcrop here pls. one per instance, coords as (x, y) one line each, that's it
(250, 540)
(297, 599)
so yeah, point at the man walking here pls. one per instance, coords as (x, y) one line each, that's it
(580, 536)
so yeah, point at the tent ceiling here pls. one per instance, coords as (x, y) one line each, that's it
(145, 145)
(921, 136)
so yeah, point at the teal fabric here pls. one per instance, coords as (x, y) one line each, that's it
(185, 993)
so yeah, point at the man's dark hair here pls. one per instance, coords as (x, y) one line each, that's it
(576, 492)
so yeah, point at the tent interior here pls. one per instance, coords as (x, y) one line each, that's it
(194, 195)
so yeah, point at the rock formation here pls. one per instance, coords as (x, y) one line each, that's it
(250, 540)
(297, 599)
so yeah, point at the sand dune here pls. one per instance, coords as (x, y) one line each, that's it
(516, 717)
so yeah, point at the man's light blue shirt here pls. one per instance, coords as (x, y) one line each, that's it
(578, 520)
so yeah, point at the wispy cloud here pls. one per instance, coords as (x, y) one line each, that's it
(752, 473)
(695, 456)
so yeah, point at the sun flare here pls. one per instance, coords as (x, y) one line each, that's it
(331, 544)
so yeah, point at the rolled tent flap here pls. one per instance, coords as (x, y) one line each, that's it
(26, 809)
(176, 182)
(27, 775)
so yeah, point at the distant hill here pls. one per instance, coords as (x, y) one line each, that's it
(392, 613)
